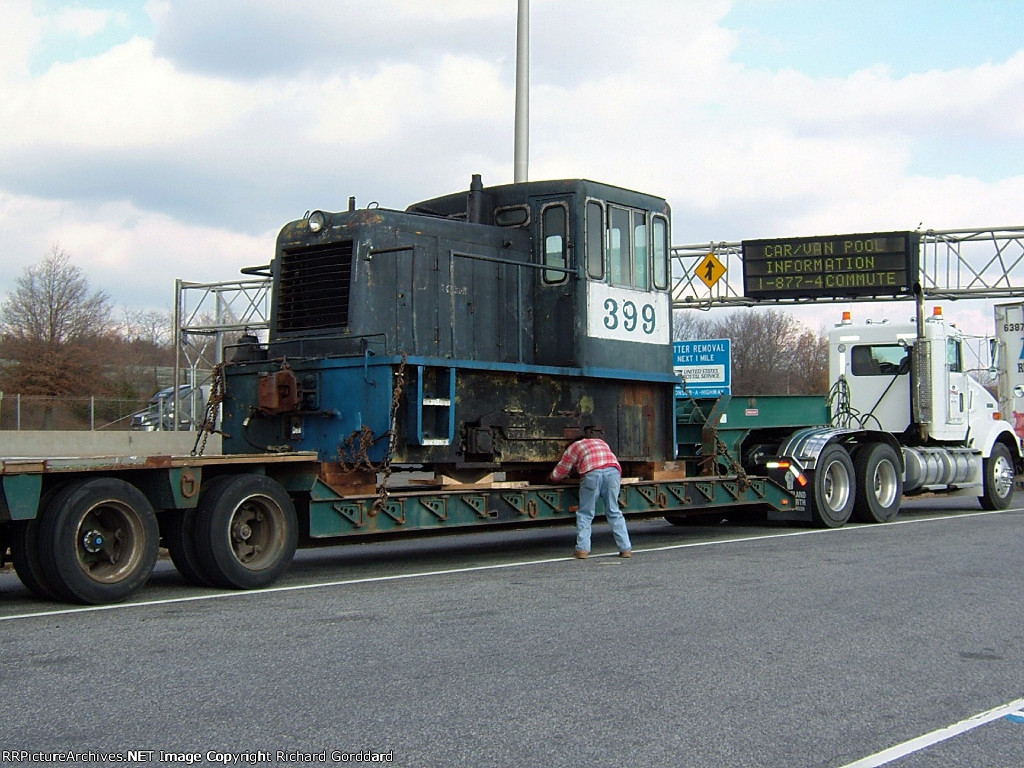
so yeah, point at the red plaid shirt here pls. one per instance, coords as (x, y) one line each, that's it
(585, 456)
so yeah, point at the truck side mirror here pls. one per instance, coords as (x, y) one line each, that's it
(995, 354)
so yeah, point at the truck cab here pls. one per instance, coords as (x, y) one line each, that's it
(888, 382)
(911, 385)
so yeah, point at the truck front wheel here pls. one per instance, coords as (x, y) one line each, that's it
(999, 476)
(879, 484)
(246, 531)
(833, 488)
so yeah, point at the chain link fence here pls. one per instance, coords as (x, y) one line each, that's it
(30, 412)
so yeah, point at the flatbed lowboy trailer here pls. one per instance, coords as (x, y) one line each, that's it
(88, 529)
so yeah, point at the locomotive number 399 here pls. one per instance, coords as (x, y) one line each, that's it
(627, 314)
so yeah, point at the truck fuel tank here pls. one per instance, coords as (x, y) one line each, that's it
(927, 467)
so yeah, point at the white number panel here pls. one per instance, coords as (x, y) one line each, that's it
(627, 314)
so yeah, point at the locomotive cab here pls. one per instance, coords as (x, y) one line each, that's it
(474, 330)
(601, 283)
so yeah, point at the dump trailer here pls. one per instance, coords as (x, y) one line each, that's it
(425, 369)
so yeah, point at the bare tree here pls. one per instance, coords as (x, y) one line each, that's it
(810, 355)
(143, 354)
(772, 352)
(53, 327)
(693, 324)
(147, 327)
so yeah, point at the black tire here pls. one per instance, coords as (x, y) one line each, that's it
(999, 478)
(25, 559)
(246, 532)
(98, 541)
(879, 481)
(179, 537)
(833, 488)
(178, 527)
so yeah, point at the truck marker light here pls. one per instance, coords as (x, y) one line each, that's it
(790, 468)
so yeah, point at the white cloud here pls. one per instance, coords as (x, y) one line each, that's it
(20, 30)
(84, 22)
(161, 158)
(355, 108)
(122, 98)
(132, 255)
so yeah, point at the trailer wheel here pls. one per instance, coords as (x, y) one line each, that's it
(879, 484)
(98, 540)
(832, 488)
(25, 558)
(246, 532)
(999, 476)
(179, 538)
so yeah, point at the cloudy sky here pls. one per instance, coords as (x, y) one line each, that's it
(173, 138)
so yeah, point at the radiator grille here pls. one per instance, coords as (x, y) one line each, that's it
(313, 291)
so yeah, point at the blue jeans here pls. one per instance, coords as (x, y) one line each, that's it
(601, 484)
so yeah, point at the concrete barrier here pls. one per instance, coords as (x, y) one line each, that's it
(53, 444)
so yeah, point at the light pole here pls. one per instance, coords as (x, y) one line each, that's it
(521, 159)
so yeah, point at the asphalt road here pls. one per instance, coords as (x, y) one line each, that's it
(713, 646)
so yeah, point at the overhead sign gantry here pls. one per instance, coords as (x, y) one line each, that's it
(835, 266)
(946, 264)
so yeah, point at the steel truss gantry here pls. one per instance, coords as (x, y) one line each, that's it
(204, 313)
(954, 264)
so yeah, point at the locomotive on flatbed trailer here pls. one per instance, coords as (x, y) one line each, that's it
(511, 318)
(471, 333)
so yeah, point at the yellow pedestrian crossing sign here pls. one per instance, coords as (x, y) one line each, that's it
(710, 270)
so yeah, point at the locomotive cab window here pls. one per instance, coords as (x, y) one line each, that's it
(554, 235)
(620, 252)
(659, 231)
(640, 250)
(595, 240)
(514, 216)
(636, 241)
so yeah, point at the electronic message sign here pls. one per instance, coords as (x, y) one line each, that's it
(835, 266)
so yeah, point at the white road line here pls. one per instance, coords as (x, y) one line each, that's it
(469, 569)
(930, 739)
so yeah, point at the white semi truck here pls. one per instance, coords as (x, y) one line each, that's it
(907, 418)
